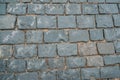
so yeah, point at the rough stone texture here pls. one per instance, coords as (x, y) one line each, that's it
(59, 1)
(78, 1)
(8, 76)
(40, 1)
(96, 0)
(105, 48)
(2, 8)
(113, 1)
(86, 49)
(2, 65)
(117, 46)
(116, 20)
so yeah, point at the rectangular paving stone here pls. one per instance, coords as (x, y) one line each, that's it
(3, 9)
(69, 74)
(78, 1)
(85, 21)
(112, 59)
(26, 22)
(5, 51)
(10, 22)
(96, 0)
(113, 1)
(54, 8)
(75, 62)
(87, 73)
(11, 37)
(90, 8)
(22, 51)
(109, 34)
(95, 61)
(50, 75)
(18, 8)
(55, 36)
(46, 22)
(58, 63)
(36, 9)
(117, 46)
(110, 72)
(34, 36)
(78, 35)
(86, 49)
(41, 1)
(27, 76)
(104, 21)
(116, 20)
(105, 48)
(73, 8)
(36, 64)
(108, 8)
(67, 49)
(26, 0)
(8, 76)
(47, 50)
(12, 1)
(2, 66)
(16, 65)
(59, 1)
(66, 22)
(96, 34)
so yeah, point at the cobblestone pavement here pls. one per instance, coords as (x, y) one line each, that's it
(59, 39)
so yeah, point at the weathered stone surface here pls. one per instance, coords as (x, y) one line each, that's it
(67, 49)
(2, 8)
(96, 0)
(22, 51)
(108, 8)
(55, 36)
(74, 62)
(113, 1)
(112, 59)
(2, 66)
(34, 36)
(95, 61)
(16, 65)
(90, 9)
(105, 48)
(78, 1)
(11, 1)
(104, 21)
(69, 74)
(18, 8)
(47, 50)
(27, 76)
(26, 0)
(10, 22)
(78, 35)
(116, 20)
(36, 64)
(41, 1)
(26, 22)
(46, 22)
(7, 76)
(11, 37)
(59, 1)
(85, 21)
(117, 46)
(66, 22)
(73, 9)
(110, 72)
(56, 63)
(5, 51)
(87, 73)
(87, 49)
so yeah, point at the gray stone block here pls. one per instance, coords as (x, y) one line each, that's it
(78, 1)
(46, 22)
(69, 74)
(113, 1)
(47, 50)
(110, 34)
(2, 8)
(36, 64)
(67, 49)
(90, 8)
(96, 34)
(104, 21)
(73, 8)
(11, 37)
(36, 9)
(78, 35)
(16, 65)
(87, 73)
(8, 76)
(27, 76)
(54, 9)
(11, 1)
(59, 1)
(26, 0)
(22, 51)
(58, 63)
(117, 46)
(10, 22)
(41, 1)
(5, 51)
(2, 66)
(86, 49)
(16, 8)
(96, 0)
(34, 36)
(116, 20)
(85, 21)
(75, 62)
(108, 8)
(66, 22)
(112, 59)
(95, 61)
(55, 36)
(105, 48)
